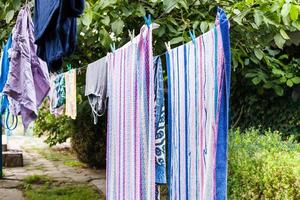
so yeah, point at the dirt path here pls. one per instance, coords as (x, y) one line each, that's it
(36, 164)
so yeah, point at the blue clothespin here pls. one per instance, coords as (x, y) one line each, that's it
(113, 47)
(148, 20)
(193, 36)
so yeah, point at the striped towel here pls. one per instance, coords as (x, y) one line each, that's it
(131, 124)
(199, 77)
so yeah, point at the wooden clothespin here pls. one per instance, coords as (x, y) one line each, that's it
(131, 34)
(168, 46)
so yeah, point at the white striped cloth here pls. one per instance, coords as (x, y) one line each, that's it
(131, 124)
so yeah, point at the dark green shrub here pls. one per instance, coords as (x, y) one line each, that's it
(88, 140)
(263, 166)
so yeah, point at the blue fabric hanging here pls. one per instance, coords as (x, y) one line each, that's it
(56, 29)
(4, 74)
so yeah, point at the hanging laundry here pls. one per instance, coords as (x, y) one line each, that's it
(56, 29)
(4, 74)
(57, 94)
(160, 129)
(71, 98)
(199, 84)
(131, 120)
(96, 87)
(28, 79)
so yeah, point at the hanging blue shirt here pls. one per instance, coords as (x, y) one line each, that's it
(56, 29)
(4, 73)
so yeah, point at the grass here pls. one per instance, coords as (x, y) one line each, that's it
(74, 192)
(37, 179)
(64, 156)
(37, 187)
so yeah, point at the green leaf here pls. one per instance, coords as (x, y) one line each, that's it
(277, 72)
(268, 85)
(256, 80)
(250, 75)
(105, 20)
(141, 11)
(284, 34)
(117, 26)
(285, 9)
(282, 79)
(258, 53)
(296, 80)
(176, 40)
(184, 4)
(289, 75)
(9, 16)
(279, 40)
(258, 18)
(169, 5)
(275, 7)
(17, 4)
(290, 83)
(278, 90)
(294, 13)
(105, 39)
(195, 25)
(87, 18)
(203, 27)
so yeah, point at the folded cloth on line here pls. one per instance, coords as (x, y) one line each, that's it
(71, 102)
(96, 87)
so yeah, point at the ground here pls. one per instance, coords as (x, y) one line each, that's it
(63, 172)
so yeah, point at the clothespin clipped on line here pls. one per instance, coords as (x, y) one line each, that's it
(69, 67)
(131, 34)
(193, 36)
(148, 20)
(168, 46)
(113, 47)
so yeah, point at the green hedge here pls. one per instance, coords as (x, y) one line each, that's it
(262, 166)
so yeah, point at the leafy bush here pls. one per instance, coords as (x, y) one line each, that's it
(263, 166)
(57, 129)
(88, 140)
(266, 111)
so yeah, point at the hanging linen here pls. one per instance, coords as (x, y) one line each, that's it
(71, 98)
(4, 73)
(96, 87)
(28, 79)
(57, 94)
(160, 131)
(131, 123)
(55, 24)
(199, 82)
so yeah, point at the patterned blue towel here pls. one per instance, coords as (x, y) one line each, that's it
(160, 135)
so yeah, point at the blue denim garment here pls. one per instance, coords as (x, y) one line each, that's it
(4, 74)
(160, 134)
(56, 29)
